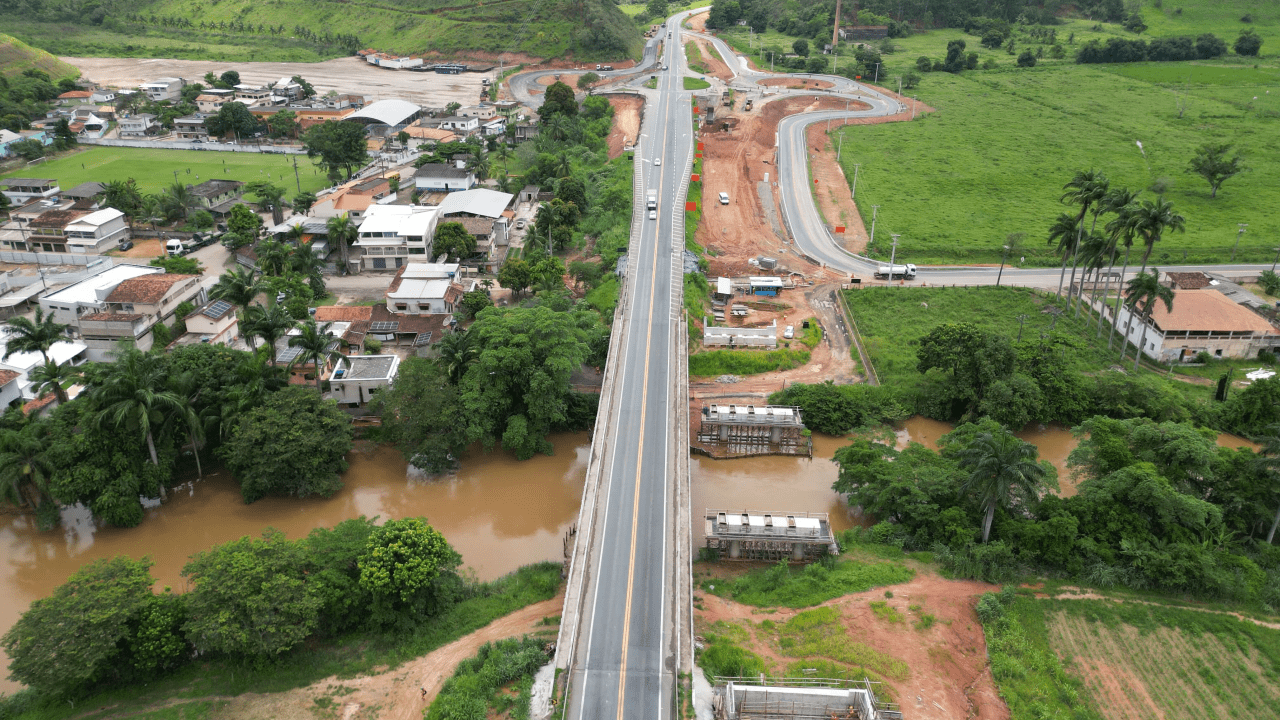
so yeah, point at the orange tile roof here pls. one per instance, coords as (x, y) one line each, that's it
(344, 313)
(7, 376)
(146, 288)
(36, 406)
(353, 201)
(73, 94)
(1208, 311)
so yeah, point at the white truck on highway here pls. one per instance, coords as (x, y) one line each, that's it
(884, 272)
(651, 202)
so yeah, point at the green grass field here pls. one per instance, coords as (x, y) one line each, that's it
(17, 56)
(993, 158)
(154, 169)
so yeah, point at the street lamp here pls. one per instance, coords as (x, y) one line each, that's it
(853, 194)
(893, 253)
(1002, 259)
(1238, 236)
(875, 210)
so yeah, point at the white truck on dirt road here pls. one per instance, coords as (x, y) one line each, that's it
(651, 202)
(887, 272)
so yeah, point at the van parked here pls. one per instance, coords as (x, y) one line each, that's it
(724, 198)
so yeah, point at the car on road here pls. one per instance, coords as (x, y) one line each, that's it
(664, 67)
(790, 332)
(653, 214)
(657, 162)
(724, 198)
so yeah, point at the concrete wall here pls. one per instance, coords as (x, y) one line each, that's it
(740, 337)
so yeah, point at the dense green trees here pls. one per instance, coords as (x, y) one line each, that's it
(409, 570)
(452, 239)
(293, 444)
(339, 147)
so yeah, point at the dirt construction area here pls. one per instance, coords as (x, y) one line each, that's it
(343, 75)
(627, 110)
(938, 672)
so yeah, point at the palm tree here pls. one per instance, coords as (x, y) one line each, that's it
(1145, 290)
(480, 165)
(133, 397)
(270, 197)
(1093, 257)
(238, 286)
(37, 335)
(1087, 188)
(1122, 231)
(318, 346)
(254, 380)
(1270, 452)
(1003, 469)
(1117, 201)
(1063, 231)
(24, 467)
(51, 377)
(272, 257)
(306, 263)
(185, 386)
(342, 233)
(270, 325)
(456, 353)
(1151, 220)
(179, 195)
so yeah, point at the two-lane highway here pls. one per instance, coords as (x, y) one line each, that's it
(624, 661)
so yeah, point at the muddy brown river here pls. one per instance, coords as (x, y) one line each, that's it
(499, 513)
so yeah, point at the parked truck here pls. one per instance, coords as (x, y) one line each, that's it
(889, 272)
(747, 104)
(652, 202)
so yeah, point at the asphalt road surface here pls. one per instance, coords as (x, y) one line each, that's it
(624, 669)
(521, 85)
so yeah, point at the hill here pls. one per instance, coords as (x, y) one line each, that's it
(312, 30)
(17, 56)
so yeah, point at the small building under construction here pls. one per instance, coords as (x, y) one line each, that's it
(750, 429)
(799, 699)
(769, 536)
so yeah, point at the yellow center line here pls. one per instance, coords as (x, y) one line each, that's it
(635, 507)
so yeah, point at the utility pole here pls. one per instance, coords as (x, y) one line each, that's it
(875, 210)
(853, 195)
(296, 179)
(1021, 319)
(839, 147)
(1273, 262)
(1238, 236)
(876, 81)
(1002, 259)
(913, 107)
(893, 253)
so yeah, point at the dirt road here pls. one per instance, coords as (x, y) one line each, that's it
(343, 75)
(626, 122)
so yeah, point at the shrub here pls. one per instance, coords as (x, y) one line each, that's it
(1249, 43)
(989, 608)
(724, 659)
(924, 64)
(1027, 59)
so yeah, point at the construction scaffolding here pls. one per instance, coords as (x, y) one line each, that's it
(769, 536)
(749, 430)
(764, 698)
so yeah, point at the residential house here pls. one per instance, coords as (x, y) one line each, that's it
(529, 194)
(525, 132)
(481, 203)
(424, 289)
(47, 232)
(102, 96)
(75, 97)
(431, 134)
(218, 196)
(407, 330)
(484, 111)
(138, 125)
(252, 94)
(353, 320)
(494, 127)
(1201, 321)
(389, 234)
(22, 363)
(134, 307)
(191, 127)
(211, 104)
(483, 230)
(460, 125)
(97, 232)
(85, 191)
(10, 388)
(40, 135)
(7, 137)
(214, 323)
(439, 176)
(393, 62)
(162, 89)
(23, 190)
(357, 377)
(90, 295)
(287, 88)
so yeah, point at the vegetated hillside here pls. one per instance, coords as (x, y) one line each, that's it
(17, 56)
(309, 30)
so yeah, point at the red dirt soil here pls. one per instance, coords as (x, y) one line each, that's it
(626, 122)
(803, 83)
(714, 64)
(949, 677)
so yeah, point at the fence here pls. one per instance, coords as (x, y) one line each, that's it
(19, 257)
(210, 146)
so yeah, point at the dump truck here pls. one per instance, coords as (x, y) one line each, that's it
(747, 105)
(651, 202)
(726, 98)
(890, 272)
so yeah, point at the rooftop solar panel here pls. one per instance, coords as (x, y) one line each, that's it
(384, 326)
(217, 308)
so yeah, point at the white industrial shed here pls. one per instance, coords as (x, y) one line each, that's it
(387, 112)
(479, 202)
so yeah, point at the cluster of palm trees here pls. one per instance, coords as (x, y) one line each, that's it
(1133, 220)
(172, 204)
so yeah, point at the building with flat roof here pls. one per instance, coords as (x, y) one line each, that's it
(23, 190)
(434, 177)
(90, 295)
(165, 88)
(357, 377)
(390, 234)
(424, 289)
(97, 232)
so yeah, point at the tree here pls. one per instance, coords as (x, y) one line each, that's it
(518, 389)
(66, 642)
(1124, 203)
(339, 146)
(269, 325)
(1212, 164)
(293, 444)
(25, 467)
(318, 346)
(50, 377)
(303, 201)
(992, 39)
(342, 232)
(38, 335)
(515, 275)
(1088, 188)
(123, 195)
(270, 197)
(480, 165)
(1270, 464)
(1027, 59)
(970, 359)
(178, 265)
(304, 261)
(244, 223)
(238, 286)
(1151, 220)
(27, 149)
(801, 47)
(452, 238)
(955, 59)
(307, 89)
(132, 398)
(656, 8)
(250, 598)
(1249, 43)
(588, 79)
(1144, 290)
(1210, 46)
(233, 118)
(559, 100)
(421, 410)
(6, 204)
(229, 78)
(178, 196)
(283, 123)
(452, 108)
(409, 569)
(473, 302)
(1003, 471)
